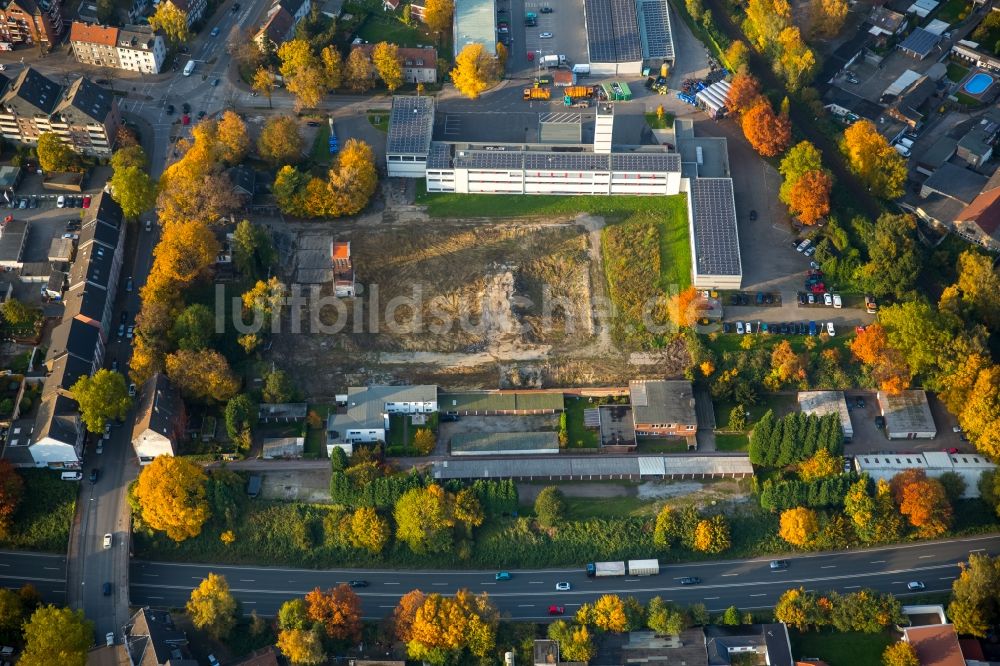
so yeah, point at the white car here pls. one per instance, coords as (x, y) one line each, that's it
(830, 330)
(801, 247)
(739, 328)
(749, 327)
(110, 638)
(61, 202)
(837, 303)
(562, 587)
(827, 299)
(100, 446)
(545, 35)
(131, 389)
(108, 539)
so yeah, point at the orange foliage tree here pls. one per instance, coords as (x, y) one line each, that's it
(887, 364)
(923, 501)
(809, 196)
(338, 610)
(767, 132)
(682, 309)
(406, 610)
(744, 90)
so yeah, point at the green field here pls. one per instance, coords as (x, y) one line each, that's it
(840, 648)
(579, 436)
(956, 72)
(320, 151)
(44, 517)
(731, 442)
(388, 28)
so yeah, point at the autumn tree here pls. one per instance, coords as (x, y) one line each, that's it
(438, 13)
(873, 160)
(809, 196)
(550, 507)
(443, 627)
(979, 285)
(172, 497)
(467, 510)
(302, 647)
(404, 614)
(797, 608)
(202, 375)
(359, 72)
(195, 189)
(795, 61)
(172, 22)
(264, 83)
(385, 58)
(607, 614)
(828, 16)
(744, 92)
(474, 70)
(682, 308)
(888, 367)
(664, 618)
(54, 154)
(333, 67)
(424, 441)
(980, 418)
(765, 21)
(102, 397)
(711, 535)
(369, 530)
(736, 55)
(820, 465)
(768, 134)
(11, 493)
(923, 501)
(975, 596)
(338, 610)
(303, 73)
(264, 301)
(277, 387)
(212, 607)
(799, 526)
(665, 530)
(133, 190)
(253, 250)
(12, 609)
(185, 252)
(17, 314)
(900, 654)
(786, 366)
(424, 519)
(241, 416)
(575, 641)
(56, 636)
(279, 142)
(234, 143)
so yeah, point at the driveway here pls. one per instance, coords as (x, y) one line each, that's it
(869, 439)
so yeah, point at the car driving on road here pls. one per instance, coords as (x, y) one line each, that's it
(562, 586)
(689, 580)
(914, 586)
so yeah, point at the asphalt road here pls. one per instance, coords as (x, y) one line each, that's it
(745, 583)
(46, 572)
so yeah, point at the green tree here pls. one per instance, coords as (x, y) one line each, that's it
(665, 532)
(575, 643)
(241, 414)
(102, 397)
(129, 156)
(731, 617)
(18, 314)
(56, 636)
(550, 507)
(954, 486)
(921, 333)
(54, 154)
(253, 251)
(212, 607)
(293, 614)
(664, 618)
(738, 418)
(894, 257)
(194, 328)
(133, 190)
(12, 612)
(277, 387)
(424, 519)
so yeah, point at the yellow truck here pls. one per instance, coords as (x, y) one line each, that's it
(537, 93)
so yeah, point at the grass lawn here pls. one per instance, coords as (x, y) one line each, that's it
(661, 445)
(841, 649)
(656, 123)
(379, 120)
(733, 442)
(951, 9)
(579, 436)
(389, 29)
(780, 404)
(582, 508)
(43, 519)
(320, 151)
(956, 72)
(488, 205)
(966, 100)
(675, 245)
(316, 437)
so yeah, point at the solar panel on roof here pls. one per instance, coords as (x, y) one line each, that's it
(649, 162)
(600, 31)
(410, 124)
(626, 27)
(717, 246)
(656, 24)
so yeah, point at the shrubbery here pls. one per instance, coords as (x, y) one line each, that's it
(823, 493)
(797, 436)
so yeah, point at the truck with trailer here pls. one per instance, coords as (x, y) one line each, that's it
(631, 568)
(553, 61)
(537, 93)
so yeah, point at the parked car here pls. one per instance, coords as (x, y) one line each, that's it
(185, 107)
(753, 216)
(130, 332)
(739, 328)
(61, 201)
(749, 327)
(810, 251)
(170, 109)
(859, 402)
(802, 298)
(880, 422)
(86, 201)
(951, 450)
(110, 638)
(726, 328)
(811, 297)
(812, 328)
(870, 305)
(106, 589)
(131, 389)
(108, 539)
(545, 10)
(128, 284)
(830, 330)
(215, 31)
(95, 474)
(827, 299)
(545, 35)
(801, 247)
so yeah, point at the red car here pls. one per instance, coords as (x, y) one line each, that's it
(859, 329)
(818, 288)
(531, 56)
(951, 450)
(86, 201)
(186, 119)
(557, 610)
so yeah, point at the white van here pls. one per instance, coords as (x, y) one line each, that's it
(71, 476)
(189, 68)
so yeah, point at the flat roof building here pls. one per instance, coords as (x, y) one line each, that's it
(475, 23)
(411, 124)
(662, 407)
(505, 443)
(907, 415)
(368, 408)
(586, 468)
(501, 403)
(821, 403)
(970, 466)
(623, 35)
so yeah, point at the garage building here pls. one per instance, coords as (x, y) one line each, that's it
(907, 415)
(592, 468)
(821, 403)
(505, 443)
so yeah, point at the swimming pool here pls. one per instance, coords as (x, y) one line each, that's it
(978, 83)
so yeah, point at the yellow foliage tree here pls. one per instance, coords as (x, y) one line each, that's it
(338, 610)
(369, 530)
(424, 518)
(202, 375)
(279, 142)
(828, 16)
(786, 366)
(387, 63)
(799, 526)
(796, 62)
(474, 70)
(682, 308)
(301, 646)
(232, 137)
(871, 157)
(424, 441)
(443, 624)
(821, 465)
(172, 498)
(438, 13)
(607, 614)
(765, 21)
(981, 416)
(172, 22)
(359, 71)
(264, 82)
(212, 607)
(900, 654)
(303, 73)
(712, 535)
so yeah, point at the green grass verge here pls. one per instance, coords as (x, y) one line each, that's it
(675, 245)
(731, 442)
(320, 151)
(841, 648)
(967, 100)
(45, 515)
(655, 122)
(490, 205)
(583, 508)
(577, 435)
(956, 72)
(379, 120)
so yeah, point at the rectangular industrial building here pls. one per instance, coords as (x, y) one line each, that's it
(592, 468)
(501, 403)
(970, 466)
(475, 23)
(715, 243)
(411, 124)
(625, 35)
(368, 410)
(821, 403)
(505, 443)
(907, 415)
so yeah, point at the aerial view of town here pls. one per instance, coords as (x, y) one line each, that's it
(499, 332)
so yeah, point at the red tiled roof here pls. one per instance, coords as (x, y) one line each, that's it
(936, 645)
(93, 34)
(984, 210)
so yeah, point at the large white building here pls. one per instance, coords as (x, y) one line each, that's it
(970, 466)
(136, 48)
(368, 408)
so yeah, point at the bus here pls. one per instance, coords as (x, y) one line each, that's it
(189, 68)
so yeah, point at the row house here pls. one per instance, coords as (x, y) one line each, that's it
(76, 348)
(419, 63)
(193, 10)
(134, 48)
(84, 114)
(279, 26)
(30, 23)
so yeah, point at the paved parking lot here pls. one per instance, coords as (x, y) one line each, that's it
(869, 439)
(566, 23)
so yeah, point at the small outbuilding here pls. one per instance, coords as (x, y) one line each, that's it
(822, 403)
(907, 415)
(283, 447)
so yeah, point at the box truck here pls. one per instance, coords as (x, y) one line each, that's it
(581, 70)
(553, 60)
(604, 569)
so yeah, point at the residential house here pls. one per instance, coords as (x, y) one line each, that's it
(152, 639)
(244, 180)
(29, 23)
(141, 49)
(94, 44)
(763, 643)
(282, 18)
(934, 157)
(368, 409)
(194, 10)
(662, 408)
(885, 22)
(85, 115)
(268, 656)
(976, 147)
(159, 422)
(343, 270)
(920, 43)
(419, 63)
(971, 53)
(947, 196)
(907, 107)
(979, 222)
(935, 644)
